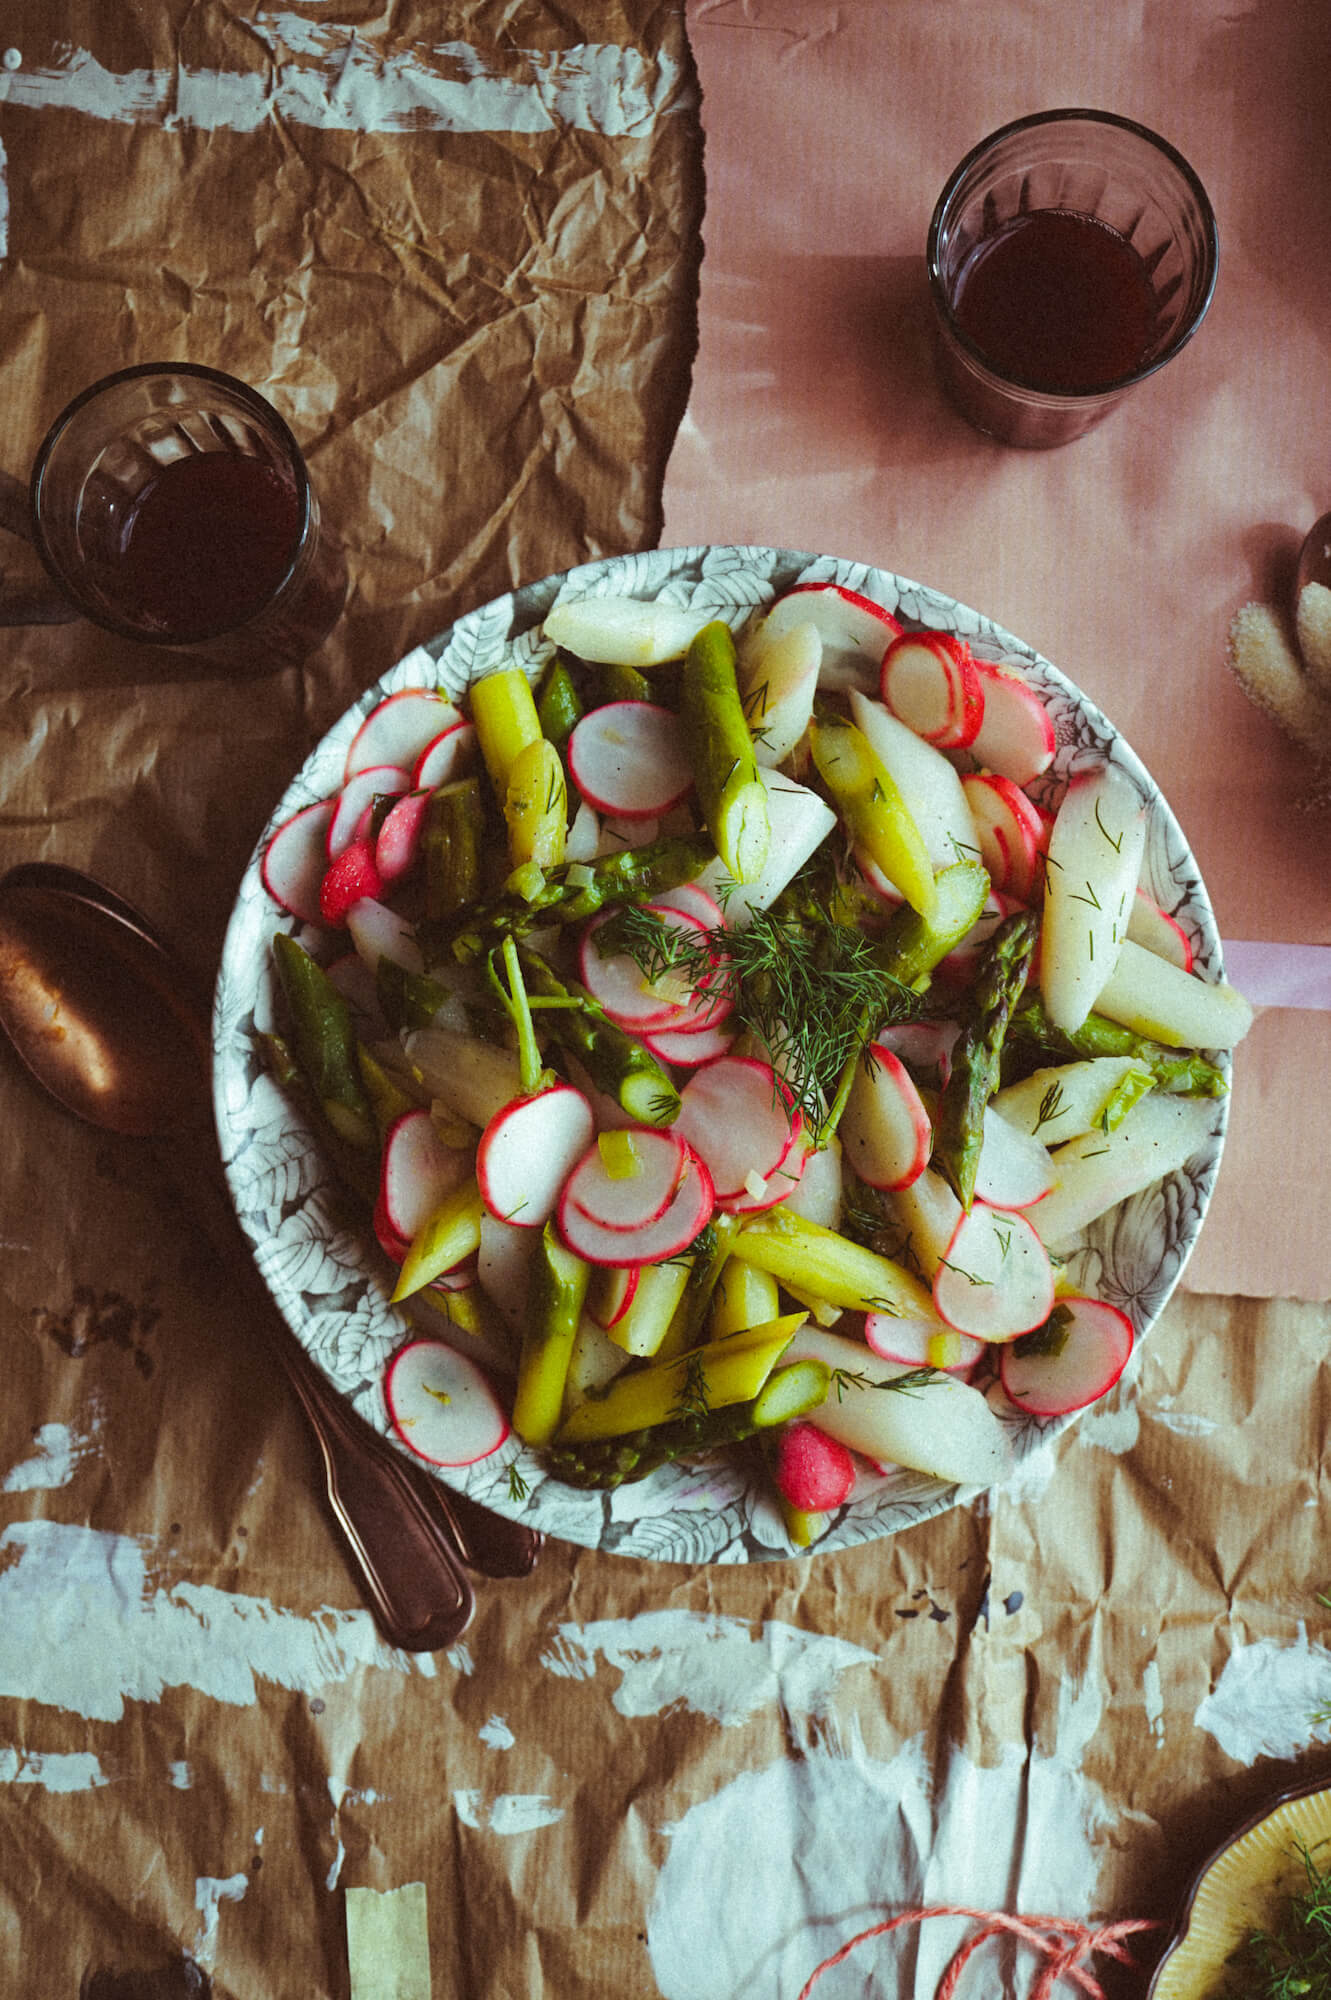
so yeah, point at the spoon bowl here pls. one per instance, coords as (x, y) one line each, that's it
(1314, 563)
(105, 1018)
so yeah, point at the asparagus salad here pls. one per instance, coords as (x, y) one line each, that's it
(732, 1031)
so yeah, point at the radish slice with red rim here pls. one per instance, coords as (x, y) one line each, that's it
(855, 632)
(916, 1342)
(618, 983)
(694, 901)
(611, 1293)
(740, 1119)
(356, 796)
(996, 1280)
(1157, 931)
(398, 728)
(1015, 737)
(1087, 1348)
(929, 682)
(630, 759)
(451, 754)
(442, 1406)
(623, 1201)
(924, 1046)
(885, 1130)
(417, 1171)
(669, 1236)
(397, 847)
(688, 1047)
(296, 860)
(528, 1150)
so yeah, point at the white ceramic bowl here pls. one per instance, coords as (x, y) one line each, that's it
(332, 1283)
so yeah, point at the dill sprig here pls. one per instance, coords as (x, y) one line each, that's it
(1294, 1956)
(804, 985)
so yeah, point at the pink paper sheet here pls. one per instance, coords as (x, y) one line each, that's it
(814, 422)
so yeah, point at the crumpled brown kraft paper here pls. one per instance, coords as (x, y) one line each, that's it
(624, 1779)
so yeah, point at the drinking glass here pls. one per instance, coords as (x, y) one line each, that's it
(170, 504)
(1095, 165)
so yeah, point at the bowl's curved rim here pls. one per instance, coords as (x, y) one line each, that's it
(709, 1525)
(1296, 1794)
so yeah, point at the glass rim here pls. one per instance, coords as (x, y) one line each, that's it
(243, 393)
(1210, 233)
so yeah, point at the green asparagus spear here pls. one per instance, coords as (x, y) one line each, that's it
(324, 1041)
(1178, 1072)
(605, 1463)
(911, 945)
(559, 1286)
(451, 844)
(730, 790)
(408, 999)
(977, 1052)
(708, 1254)
(558, 709)
(634, 875)
(615, 1061)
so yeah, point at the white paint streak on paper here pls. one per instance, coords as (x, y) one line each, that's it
(57, 1452)
(80, 1629)
(1264, 1703)
(210, 1892)
(62, 1771)
(783, 1865)
(1153, 1700)
(497, 1734)
(508, 1813)
(334, 79)
(724, 1668)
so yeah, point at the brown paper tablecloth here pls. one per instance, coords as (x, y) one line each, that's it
(471, 290)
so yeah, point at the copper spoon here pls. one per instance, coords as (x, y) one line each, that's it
(1314, 564)
(101, 1014)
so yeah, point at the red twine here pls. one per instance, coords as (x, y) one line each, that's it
(1061, 1941)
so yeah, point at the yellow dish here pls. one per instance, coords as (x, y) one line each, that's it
(1242, 1888)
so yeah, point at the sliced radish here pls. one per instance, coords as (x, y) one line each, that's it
(528, 1150)
(813, 1472)
(665, 1238)
(624, 631)
(398, 729)
(1157, 931)
(1090, 1346)
(1015, 1170)
(740, 1119)
(876, 882)
(855, 632)
(1015, 737)
(296, 860)
(996, 1281)
(618, 983)
(1012, 833)
(928, 680)
(417, 1172)
(611, 1293)
(688, 1048)
(925, 779)
(918, 1343)
(398, 845)
(694, 901)
(357, 796)
(1095, 853)
(451, 754)
(630, 759)
(379, 932)
(442, 1406)
(620, 1201)
(885, 1130)
(347, 880)
(924, 1046)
